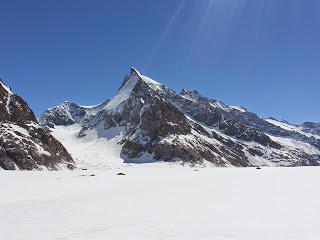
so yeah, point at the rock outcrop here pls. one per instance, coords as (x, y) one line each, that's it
(24, 144)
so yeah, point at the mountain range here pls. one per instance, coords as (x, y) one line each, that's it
(148, 122)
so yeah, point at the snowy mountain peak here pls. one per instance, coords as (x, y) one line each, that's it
(125, 90)
(69, 113)
(150, 82)
(135, 72)
(133, 83)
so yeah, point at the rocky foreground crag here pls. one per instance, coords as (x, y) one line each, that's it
(24, 144)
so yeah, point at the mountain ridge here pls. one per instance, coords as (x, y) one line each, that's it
(157, 124)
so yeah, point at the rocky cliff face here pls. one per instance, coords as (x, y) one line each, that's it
(24, 144)
(154, 123)
(311, 127)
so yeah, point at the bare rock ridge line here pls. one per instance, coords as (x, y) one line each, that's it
(153, 123)
(24, 144)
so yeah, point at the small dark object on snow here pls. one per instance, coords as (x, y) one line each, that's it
(92, 175)
(120, 174)
(258, 168)
(84, 169)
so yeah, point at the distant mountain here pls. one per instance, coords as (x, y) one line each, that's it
(24, 144)
(69, 113)
(151, 122)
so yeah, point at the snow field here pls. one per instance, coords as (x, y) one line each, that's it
(155, 201)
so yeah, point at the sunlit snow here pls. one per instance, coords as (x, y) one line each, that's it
(161, 203)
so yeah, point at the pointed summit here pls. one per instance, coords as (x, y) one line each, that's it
(151, 83)
(134, 71)
(5, 87)
(125, 90)
(135, 81)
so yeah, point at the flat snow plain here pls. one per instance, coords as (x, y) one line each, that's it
(161, 202)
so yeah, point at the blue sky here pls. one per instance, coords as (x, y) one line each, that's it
(261, 54)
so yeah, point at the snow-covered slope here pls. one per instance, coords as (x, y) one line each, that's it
(149, 122)
(91, 151)
(292, 128)
(239, 108)
(161, 203)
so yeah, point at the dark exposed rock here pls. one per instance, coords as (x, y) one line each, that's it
(6, 162)
(23, 143)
